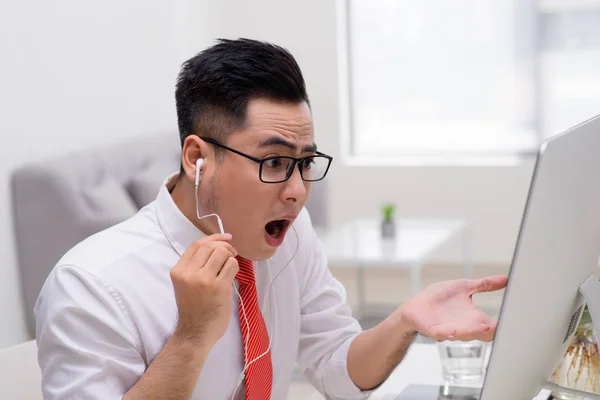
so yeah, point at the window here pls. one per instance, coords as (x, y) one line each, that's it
(468, 77)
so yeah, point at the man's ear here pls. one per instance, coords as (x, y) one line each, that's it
(193, 149)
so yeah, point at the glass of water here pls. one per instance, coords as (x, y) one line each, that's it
(463, 362)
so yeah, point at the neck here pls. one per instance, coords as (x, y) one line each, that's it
(184, 198)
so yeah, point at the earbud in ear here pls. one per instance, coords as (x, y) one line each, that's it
(199, 163)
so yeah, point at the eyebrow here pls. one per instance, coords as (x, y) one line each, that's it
(277, 141)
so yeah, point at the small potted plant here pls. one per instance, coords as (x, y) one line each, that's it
(388, 227)
(580, 366)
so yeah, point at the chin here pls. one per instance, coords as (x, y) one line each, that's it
(264, 253)
(256, 251)
(267, 244)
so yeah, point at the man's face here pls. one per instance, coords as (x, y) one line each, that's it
(258, 214)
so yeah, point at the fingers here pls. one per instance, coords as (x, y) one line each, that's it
(489, 335)
(217, 260)
(440, 333)
(479, 331)
(480, 328)
(476, 332)
(477, 327)
(488, 284)
(193, 248)
(206, 250)
(229, 270)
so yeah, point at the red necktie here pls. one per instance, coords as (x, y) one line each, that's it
(259, 372)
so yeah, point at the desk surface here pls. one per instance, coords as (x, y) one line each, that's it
(420, 366)
(360, 241)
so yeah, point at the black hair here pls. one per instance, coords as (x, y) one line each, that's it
(215, 86)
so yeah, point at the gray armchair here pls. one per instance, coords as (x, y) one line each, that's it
(59, 202)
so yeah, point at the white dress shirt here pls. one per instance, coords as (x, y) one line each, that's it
(108, 308)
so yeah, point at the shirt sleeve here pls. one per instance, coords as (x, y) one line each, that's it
(86, 342)
(327, 327)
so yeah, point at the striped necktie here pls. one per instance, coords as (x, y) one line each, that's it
(259, 372)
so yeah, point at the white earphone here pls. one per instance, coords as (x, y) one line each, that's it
(199, 163)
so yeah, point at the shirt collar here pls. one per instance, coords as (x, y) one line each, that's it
(178, 229)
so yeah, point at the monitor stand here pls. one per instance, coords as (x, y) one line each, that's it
(590, 289)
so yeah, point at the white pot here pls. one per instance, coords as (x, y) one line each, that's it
(575, 372)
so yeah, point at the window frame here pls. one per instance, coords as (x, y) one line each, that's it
(468, 158)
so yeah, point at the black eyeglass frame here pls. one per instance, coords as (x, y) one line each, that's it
(261, 161)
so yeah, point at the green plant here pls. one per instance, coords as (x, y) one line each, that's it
(585, 346)
(388, 211)
(585, 328)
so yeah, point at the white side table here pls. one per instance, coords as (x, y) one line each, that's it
(359, 244)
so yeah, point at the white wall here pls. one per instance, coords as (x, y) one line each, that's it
(490, 198)
(77, 74)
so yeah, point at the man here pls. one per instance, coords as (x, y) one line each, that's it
(163, 306)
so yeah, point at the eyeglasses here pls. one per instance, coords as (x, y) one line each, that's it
(277, 169)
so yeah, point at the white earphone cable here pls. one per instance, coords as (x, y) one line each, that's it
(246, 366)
(208, 215)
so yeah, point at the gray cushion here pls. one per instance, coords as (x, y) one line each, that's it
(58, 202)
(108, 200)
(143, 187)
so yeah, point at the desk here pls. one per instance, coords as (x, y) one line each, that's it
(420, 366)
(359, 243)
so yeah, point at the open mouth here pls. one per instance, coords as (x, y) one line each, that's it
(277, 228)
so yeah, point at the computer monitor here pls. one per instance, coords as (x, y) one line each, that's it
(556, 253)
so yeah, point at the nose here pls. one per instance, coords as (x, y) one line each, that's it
(295, 189)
